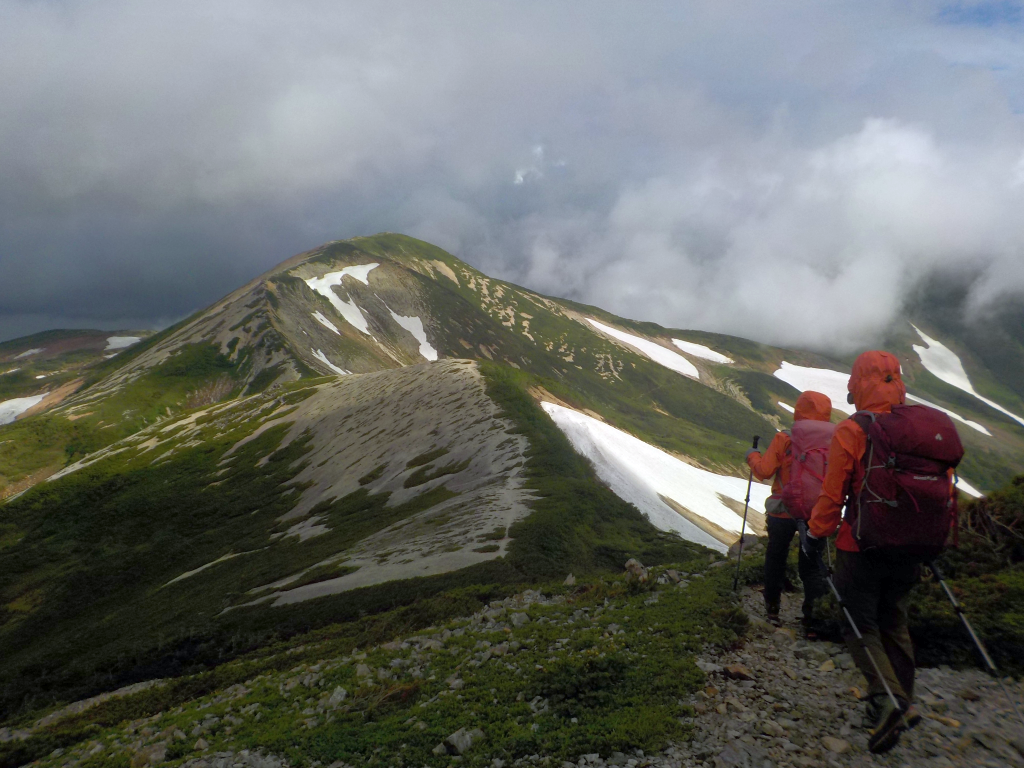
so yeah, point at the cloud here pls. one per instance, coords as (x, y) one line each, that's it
(785, 173)
(812, 247)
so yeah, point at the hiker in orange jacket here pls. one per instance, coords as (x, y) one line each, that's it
(776, 462)
(875, 587)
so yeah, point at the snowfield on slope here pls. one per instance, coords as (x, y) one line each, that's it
(347, 309)
(325, 322)
(942, 362)
(415, 326)
(12, 409)
(655, 352)
(699, 350)
(319, 355)
(967, 488)
(833, 384)
(121, 342)
(829, 383)
(654, 481)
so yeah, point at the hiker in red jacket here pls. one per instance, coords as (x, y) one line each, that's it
(875, 586)
(777, 462)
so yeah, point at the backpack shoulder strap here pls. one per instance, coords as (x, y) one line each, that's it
(864, 420)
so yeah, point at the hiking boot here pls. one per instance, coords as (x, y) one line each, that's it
(872, 712)
(813, 629)
(891, 723)
(912, 716)
(772, 612)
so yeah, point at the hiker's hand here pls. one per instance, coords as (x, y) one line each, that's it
(750, 451)
(813, 547)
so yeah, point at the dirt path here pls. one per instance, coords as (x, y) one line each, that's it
(799, 708)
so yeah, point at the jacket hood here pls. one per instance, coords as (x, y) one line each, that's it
(876, 382)
(813, 406)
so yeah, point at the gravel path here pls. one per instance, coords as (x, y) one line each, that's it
(799, 708)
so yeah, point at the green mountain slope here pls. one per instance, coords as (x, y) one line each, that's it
(354, 431)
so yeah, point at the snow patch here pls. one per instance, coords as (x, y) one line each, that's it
(347, 309)
(415, 326)
(786, 407)
(967, 488)
(13, 370)
(699, 350)
(319, 355)
(201, 568)
(655, 352)
(325, 322)
(951, 414)
(830, 383)
(120, 342)
(642, 475)
(28, 353)
(942, 362)
(12, 409)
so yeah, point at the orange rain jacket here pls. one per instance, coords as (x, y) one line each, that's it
(777, 460)
(876, 385)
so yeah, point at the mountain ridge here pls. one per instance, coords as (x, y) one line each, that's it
(221, 483)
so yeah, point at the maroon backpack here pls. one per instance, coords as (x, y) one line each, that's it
(809, 447)
(905, 504)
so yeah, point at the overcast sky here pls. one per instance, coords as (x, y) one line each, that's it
(785, 171)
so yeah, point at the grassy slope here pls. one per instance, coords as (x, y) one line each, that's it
(52, 440)
(609, 660)
(658, 405)
(135, 525)
(55, 368)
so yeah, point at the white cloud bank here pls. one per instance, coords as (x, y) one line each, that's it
(786, 172)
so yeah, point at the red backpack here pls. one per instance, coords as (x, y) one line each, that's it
(906, 504)
(810, 442)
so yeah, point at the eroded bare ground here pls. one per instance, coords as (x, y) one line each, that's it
(377, 431)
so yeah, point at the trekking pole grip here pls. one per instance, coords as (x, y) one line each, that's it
(756, 439)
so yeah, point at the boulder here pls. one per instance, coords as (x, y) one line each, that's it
(463, 739)
(738, 672)
(337, 697)
(635, 570)
(835, 745)
(570, 581)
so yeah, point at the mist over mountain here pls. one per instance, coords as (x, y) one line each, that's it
(688, 166)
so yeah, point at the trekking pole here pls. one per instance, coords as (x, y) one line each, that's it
(826, 572)
(743, 528)
(977, 640)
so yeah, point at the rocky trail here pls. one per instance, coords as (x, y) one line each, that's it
(783, 701)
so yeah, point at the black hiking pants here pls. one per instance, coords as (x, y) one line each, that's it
(876, 591)
(780, 535)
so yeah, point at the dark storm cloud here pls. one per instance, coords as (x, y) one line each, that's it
(686, 165)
